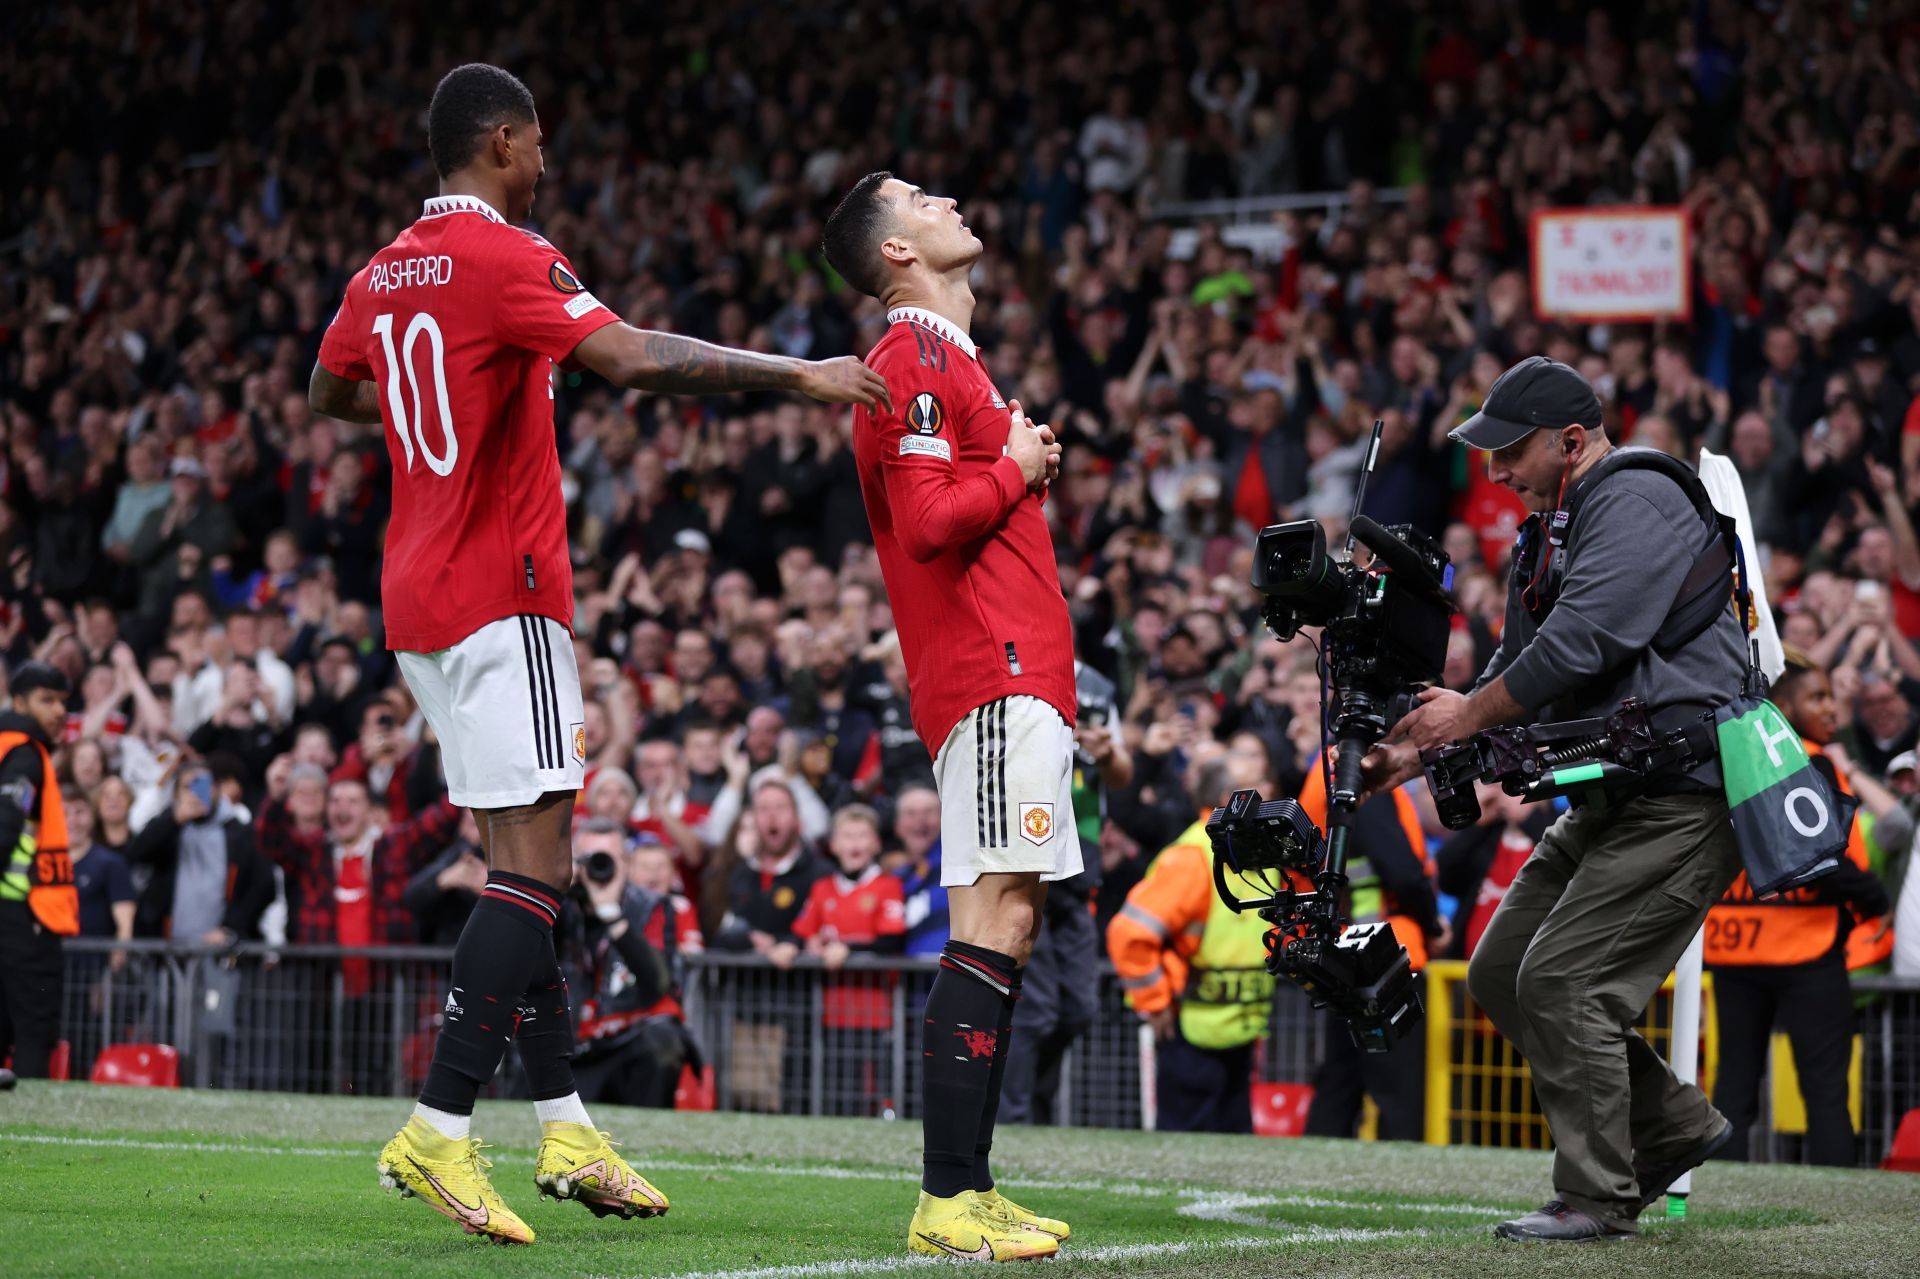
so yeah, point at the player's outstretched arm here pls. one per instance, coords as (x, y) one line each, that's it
(343, 398)
(647, 360)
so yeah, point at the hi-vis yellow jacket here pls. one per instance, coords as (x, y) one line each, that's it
(1176, 940)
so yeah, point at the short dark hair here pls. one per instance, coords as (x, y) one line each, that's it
(471, 102)
(854, 231)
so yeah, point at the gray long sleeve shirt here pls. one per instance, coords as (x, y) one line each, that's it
(1628, 551)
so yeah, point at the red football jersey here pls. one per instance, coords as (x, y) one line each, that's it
(459, 322)
(857, 912)
(965, 551)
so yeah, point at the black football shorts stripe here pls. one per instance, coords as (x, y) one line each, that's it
(980, 777)
(540, 692)
(544, 633)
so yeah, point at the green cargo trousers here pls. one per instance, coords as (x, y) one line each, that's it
(1591, 926)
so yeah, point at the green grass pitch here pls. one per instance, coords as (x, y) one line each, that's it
(104, 1181)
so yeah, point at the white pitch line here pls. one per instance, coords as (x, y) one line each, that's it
(1109, 1252)
(184, 1147)
(1226, 1200)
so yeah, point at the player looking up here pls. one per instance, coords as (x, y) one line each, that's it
(449, 335)
(953, 478)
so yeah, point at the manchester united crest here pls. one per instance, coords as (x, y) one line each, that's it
(1036, 823)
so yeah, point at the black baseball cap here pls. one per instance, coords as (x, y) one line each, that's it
(1534, 393)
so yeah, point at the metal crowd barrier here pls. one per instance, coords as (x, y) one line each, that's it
(323, 1019)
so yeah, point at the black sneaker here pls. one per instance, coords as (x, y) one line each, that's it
(1558, 1222)
(1654, 1181)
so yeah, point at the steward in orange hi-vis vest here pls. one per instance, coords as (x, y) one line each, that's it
(38, 903)
(1780, 962)
(1803, 924)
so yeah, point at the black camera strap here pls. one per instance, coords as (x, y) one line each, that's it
(1715, 575)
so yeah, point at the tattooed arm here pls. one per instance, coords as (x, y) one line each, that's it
(343, 398)
(668, 363)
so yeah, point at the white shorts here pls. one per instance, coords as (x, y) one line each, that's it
(505, 704)
(1005, 777)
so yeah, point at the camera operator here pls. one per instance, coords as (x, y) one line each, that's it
(616, 947)
(1599, 913)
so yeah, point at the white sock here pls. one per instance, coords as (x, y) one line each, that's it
(445, 1122)
(563, 1110)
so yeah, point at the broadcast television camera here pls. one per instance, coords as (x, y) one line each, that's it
(1384, 632)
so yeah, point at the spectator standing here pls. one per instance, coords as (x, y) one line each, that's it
(103, 881)
(209, 884)
(854, 909)
(443, 893)
(916, 826)
(768, 887)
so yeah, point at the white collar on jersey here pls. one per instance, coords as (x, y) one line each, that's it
(440, 205)
(945, 328)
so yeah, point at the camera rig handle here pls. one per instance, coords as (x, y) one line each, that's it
(1542, 761)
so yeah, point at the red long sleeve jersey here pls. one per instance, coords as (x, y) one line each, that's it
(965, 551)
(459, 322)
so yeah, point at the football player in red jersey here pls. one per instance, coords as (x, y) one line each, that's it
(449, 336)
(953, 478)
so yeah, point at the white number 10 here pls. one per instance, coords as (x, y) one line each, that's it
(421, 323)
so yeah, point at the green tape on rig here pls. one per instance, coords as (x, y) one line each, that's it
(1574, 776)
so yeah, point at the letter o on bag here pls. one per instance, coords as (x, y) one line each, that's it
(1806, 794)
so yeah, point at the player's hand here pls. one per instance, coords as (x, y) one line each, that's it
(1025, 445)
(1053, 456)
(845, 380)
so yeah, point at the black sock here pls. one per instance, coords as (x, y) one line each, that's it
(960, 1042)
(508, 936)
(1003, 1043)
(545, 1032)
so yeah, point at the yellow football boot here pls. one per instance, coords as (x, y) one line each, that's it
(450, 1177)
(968, 1229)
(1026, 1217)
(576, 1162)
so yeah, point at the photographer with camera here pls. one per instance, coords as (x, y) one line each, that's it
(616, 945)
(1614, 591)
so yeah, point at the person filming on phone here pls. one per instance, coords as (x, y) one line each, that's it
(1621, 586)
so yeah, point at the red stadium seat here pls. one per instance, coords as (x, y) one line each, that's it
(1280, 1110)
(1904, 1154)
(59, 1062)
(695, 1092)
(139, 1065)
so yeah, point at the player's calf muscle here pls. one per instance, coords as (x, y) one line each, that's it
(531, 839)
(997, 911)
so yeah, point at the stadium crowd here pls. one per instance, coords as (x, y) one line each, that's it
(200, 553)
